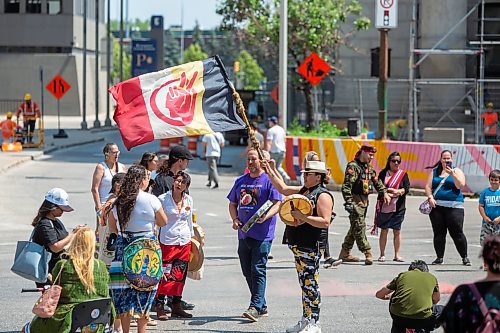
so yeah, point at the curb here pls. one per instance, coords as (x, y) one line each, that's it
(46, 151)
(69, 145)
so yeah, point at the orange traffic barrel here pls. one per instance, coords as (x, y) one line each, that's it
(12, 146)
(175, 142)
(192, 144)
(164, 146)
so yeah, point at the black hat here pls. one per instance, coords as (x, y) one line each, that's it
(180, 152)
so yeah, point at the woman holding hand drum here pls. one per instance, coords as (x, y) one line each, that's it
(306, 235)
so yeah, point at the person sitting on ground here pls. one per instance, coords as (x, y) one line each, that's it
(463, 313)
(413, 297)
(81, 277)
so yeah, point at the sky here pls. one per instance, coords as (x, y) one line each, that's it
(201, 10)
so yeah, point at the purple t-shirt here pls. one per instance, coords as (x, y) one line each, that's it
(250, 194)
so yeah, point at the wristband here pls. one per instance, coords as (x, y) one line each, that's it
(236, 218)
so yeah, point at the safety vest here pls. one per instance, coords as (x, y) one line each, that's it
(7, 127)
(29, 112)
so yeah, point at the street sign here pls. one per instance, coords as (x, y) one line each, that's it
(386, 14)
(143, 57)
(58, 87)
(275, 94)
(314, 69)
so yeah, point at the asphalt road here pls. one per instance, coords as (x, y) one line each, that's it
(348, 302)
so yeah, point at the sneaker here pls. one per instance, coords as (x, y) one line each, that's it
(264, 313)
(252, 314)
(438, 261)
(330, 262)
(312, 327)
(208, 184)
(302, 324)
(466, 261)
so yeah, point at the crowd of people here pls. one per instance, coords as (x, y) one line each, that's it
(145, 223)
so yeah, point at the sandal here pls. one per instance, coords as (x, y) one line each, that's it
(381, 259)
(398, 259)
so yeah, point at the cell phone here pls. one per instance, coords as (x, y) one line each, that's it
(449, 164)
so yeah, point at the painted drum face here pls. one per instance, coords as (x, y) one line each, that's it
(142, 264)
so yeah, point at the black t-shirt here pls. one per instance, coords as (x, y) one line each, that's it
(48, 232)
(462, 314)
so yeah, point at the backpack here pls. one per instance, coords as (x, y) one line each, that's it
(491, 321)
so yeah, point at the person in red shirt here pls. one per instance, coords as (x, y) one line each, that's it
(490, 123)
(8, 126)
(30, 112)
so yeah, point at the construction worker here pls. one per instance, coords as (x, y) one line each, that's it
(31, 112)
(490, 123)
(355, 189)
(8, 126)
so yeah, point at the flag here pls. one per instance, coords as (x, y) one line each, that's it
(189, 99)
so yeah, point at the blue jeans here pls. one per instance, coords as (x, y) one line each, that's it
(253, 260)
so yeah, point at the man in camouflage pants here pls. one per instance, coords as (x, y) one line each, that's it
(355, 189)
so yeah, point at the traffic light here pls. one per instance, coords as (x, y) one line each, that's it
(236, 66)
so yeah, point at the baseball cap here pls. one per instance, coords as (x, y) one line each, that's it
(274, 119)
(59, 197)
(180, 152)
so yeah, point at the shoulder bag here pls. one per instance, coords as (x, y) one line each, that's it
(31, 260)
(46, 305)
(425, 207)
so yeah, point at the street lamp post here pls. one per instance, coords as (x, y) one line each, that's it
(283, 63)
(97, 123)
(182, 31)
(84, 83)
(107, 121)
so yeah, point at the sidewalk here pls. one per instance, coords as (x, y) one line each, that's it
(71, 126)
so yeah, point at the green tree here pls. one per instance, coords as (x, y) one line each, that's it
(194, 53)
(313, 25)
(250, 72)
(127, 63)
(172, 49)
(198, 35)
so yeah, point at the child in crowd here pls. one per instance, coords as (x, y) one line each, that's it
(489, 207)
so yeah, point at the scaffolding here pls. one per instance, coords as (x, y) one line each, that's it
(474, 87)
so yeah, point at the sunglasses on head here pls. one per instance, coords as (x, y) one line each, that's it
(396, 161)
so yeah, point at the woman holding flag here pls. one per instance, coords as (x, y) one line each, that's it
(391, 216)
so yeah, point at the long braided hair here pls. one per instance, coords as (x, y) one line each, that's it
(165, 167)
(130, 188)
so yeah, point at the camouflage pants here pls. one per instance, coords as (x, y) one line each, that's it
(307, 265)
(488, 229)
(357, 231)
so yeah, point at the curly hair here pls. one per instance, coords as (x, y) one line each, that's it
(164, 168)
(130, 188)
(420, 265)
(491, 253)
(185, 177)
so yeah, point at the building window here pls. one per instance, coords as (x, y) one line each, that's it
(54, 7)
(34, 6)
(11, 6)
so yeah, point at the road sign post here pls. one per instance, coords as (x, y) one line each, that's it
(58, 87)
(386, 17)
(314, 69)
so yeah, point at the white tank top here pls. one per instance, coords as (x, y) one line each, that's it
(105, 185)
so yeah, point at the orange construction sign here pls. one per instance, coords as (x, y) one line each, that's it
(58, 86)
(314, 69)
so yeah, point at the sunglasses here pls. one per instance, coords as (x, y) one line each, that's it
(396, 161)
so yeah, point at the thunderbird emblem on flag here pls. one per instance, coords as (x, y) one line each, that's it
(189, 99)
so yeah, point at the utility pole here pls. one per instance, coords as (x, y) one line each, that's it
(382, 83)
(182, 31)
(121, 40)
(412, 130)
(283, 63)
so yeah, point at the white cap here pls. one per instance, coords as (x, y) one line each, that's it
(59, 197)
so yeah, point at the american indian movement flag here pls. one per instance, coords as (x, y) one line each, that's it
(189, 99)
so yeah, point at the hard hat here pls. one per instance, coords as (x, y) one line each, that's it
(9, 114)
(489, 105)
(27, 97)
